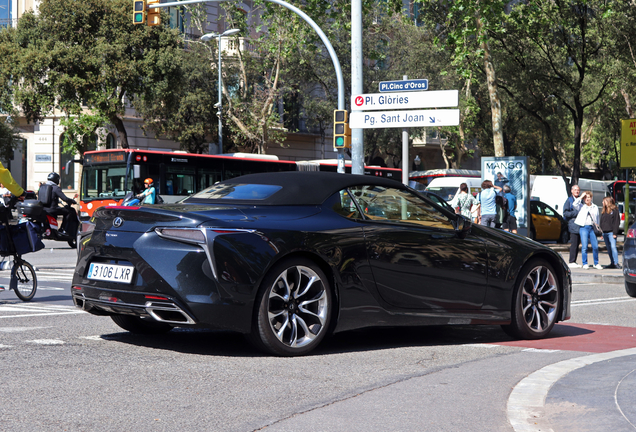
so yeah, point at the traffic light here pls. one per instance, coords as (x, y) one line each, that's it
(154, 18)
(139, 11)
(341, 130)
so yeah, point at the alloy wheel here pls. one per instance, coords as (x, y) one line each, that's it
(539, 299)
(297, 306)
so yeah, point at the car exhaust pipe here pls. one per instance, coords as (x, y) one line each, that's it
(168, 313)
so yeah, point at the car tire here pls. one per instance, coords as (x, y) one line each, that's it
(293, 309)
(536, 302)
(630, 289)
(565, 237)
(140, 325)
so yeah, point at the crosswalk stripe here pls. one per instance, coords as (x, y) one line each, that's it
(42, 314)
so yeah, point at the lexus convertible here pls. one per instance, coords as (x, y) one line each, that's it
(288, 258)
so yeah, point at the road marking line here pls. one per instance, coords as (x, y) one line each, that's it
(602, 299)
(42, 314)
(5, 346)
(20, 329)
(46, 341)
(540, 350)
(526, 403)
(32, 307)
(601, 302)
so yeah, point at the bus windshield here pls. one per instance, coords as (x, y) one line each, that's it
(104, 182)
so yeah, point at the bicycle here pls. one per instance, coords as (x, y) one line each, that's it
(24, 281)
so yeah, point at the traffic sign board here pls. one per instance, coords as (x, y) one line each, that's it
(423, 99)
(628, 143)
(403, 119)
(407, 85)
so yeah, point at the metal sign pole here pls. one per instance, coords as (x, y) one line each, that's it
(405, 151)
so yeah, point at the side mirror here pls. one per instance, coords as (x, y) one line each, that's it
(462, 226)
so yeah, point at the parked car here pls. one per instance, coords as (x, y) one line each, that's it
(547, 224)
(285, 262)
(448, 187)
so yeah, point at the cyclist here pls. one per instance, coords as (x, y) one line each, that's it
(50, 194)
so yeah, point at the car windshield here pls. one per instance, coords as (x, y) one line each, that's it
(446, 192)
(247, 192)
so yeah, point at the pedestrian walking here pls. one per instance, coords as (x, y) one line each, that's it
(511, 221)
(569, 214)
(487, 204)
(463, 201)
(587, 217)
(610, 220)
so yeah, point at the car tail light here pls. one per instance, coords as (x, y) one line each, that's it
(183, 234)
(631, 233)
(87, 227)
(622, 216)
(156, 297)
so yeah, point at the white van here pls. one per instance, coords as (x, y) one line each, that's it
(552, 190)
(447, 187)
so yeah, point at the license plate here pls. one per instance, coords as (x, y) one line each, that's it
(110, 273)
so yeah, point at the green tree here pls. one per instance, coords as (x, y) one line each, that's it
(185, 111)
(91, 58)
(467, 31)
(561, 48)
(10, 138)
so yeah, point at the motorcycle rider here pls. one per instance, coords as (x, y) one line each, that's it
(50, 194)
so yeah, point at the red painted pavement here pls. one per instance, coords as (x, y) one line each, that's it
(582, 337)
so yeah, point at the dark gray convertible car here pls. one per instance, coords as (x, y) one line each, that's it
(289, 257)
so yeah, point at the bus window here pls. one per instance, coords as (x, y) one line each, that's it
(180, 181)
(207, 177)
(102, 182)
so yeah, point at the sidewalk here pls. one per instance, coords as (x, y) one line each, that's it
(592, 275)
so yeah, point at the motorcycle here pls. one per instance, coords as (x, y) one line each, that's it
(33, 211)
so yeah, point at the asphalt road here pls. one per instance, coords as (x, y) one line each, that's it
(68, 370)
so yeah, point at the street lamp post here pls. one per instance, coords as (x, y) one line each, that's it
(219, 105)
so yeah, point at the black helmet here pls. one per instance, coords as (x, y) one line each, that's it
(54, 177)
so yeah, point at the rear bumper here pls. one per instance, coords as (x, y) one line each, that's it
(164, 310)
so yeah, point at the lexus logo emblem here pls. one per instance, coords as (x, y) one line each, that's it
(118, 222)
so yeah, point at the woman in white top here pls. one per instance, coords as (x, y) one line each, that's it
(463, 201)
(588, 215)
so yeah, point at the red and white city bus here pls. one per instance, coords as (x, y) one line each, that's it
(108, 175)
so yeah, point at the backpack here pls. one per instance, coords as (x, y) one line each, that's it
(502, 209)
(45, 195)
(158, 199)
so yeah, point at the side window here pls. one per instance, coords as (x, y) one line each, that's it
(343, 204)
(535, 209)
(548, 211)
(380, 203)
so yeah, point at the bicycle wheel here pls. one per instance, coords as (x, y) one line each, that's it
(23, 280)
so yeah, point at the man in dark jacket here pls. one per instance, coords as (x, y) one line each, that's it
(569, 214)
(50, 194)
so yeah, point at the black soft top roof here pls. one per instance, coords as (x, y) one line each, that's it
(301, 187)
